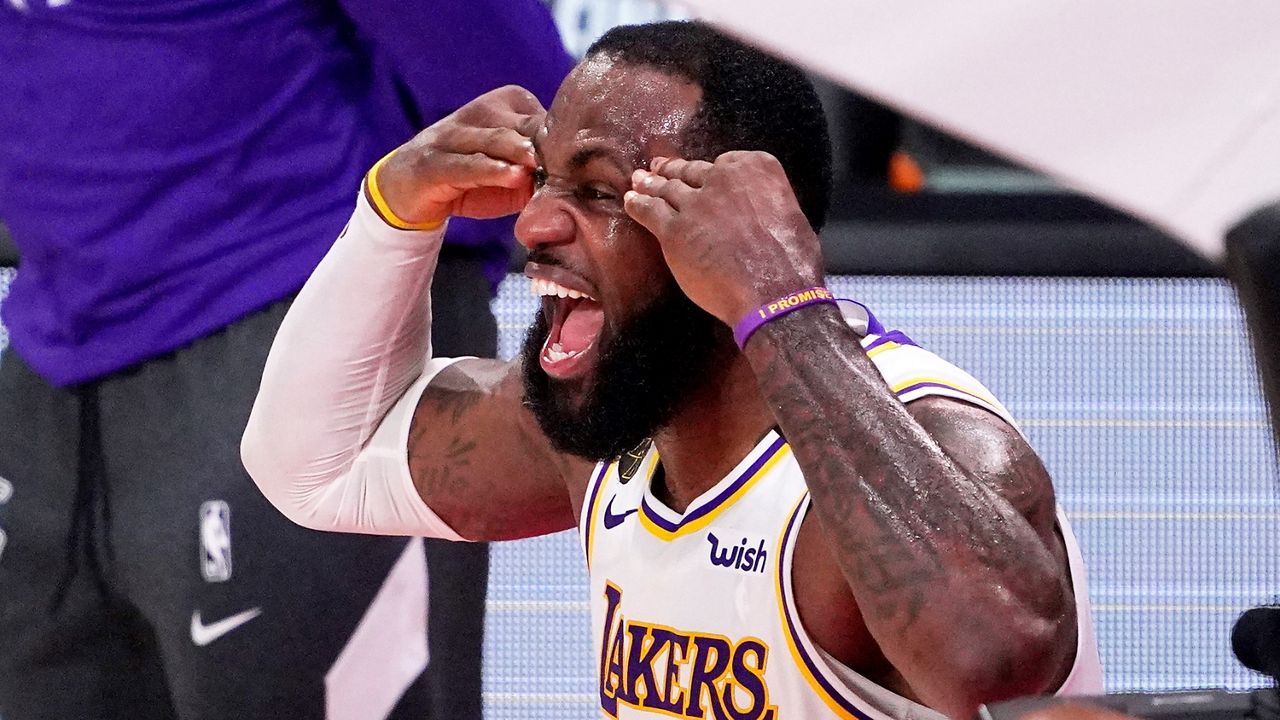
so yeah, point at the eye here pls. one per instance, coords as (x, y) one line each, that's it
(595, 192)
(539, 177)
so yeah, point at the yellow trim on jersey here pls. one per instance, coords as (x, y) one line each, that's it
(949, 384)
(693, 527)
(384, 210)
(593, 511)
(805, 670)
(881, 348)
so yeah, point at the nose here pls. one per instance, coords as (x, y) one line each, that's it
(544, 221)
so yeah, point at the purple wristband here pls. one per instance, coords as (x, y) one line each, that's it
(777, 308)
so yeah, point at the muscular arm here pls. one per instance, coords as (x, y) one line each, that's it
(354, 428)
(939, 517)
(480, 462)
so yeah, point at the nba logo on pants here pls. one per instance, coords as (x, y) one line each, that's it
(215, 541)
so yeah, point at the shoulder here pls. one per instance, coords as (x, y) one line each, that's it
(993, 453)
(912, 372)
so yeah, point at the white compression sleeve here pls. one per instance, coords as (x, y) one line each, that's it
(326, 441)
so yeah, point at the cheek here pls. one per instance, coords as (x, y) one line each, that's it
(637, 275)
(632, 252)
(621, 234)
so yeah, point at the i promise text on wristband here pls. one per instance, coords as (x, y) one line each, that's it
(775, 309)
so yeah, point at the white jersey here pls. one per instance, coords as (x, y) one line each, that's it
(693, 613)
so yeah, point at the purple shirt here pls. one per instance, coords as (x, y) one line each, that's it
(169, 166)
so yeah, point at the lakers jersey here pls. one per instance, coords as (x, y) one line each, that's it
(693, 612)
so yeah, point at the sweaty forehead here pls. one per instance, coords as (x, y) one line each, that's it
(632, 108)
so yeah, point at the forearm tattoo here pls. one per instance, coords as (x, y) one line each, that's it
(909, 528)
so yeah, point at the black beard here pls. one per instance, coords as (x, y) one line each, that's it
(644, 375)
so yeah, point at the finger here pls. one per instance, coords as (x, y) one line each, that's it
(520, 100)
(654, 213)
(529, 125)
(500, 143)
(479, 170)
(492, 202)
(525, 124)
(691, 172)
(504, 100)
(675, 192)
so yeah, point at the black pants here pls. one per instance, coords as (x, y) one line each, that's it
(144, 576)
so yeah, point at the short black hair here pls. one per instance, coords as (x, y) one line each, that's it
(750, 100)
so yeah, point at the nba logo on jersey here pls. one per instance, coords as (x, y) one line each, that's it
(215, 541)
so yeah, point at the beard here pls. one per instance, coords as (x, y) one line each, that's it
(645, 373)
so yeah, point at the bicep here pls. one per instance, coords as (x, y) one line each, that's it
(993, 454)
(479, 461)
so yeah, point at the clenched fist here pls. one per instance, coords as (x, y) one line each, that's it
(731, 231)
(477, 162)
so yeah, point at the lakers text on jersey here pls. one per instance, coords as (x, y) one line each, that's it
(693, 612)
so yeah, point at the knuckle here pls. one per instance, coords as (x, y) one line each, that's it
(516, 94)
(473, 112)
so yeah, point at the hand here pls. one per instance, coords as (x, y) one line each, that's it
(477, 162)
(731, 231)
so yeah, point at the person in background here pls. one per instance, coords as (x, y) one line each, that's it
(171, 172)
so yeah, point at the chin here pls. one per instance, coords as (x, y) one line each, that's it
(629, 384)
(571, 395)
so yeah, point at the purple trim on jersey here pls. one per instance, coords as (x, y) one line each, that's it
(873, 325)
(724, 495)
(814, 669)
(589, 510)
(896, 336)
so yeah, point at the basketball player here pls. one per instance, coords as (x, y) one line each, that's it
(787, 511)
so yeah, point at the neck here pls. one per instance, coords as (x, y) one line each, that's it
(711, 434)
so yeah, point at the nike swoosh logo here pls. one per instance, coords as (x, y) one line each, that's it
(202, 634)
(612, 521)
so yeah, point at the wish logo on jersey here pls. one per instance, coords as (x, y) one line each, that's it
(678, 672)
(737, 557)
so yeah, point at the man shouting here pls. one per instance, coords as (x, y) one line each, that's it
(786, 510)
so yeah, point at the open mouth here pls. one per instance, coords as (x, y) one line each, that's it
(575, 321)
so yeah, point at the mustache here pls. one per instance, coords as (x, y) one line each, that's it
(550, 258)
(543, 256)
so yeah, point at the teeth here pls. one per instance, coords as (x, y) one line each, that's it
(556, 352)
(547, 288)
